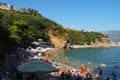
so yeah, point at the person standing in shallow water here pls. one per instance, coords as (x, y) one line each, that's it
(114, 76)
(100, 72)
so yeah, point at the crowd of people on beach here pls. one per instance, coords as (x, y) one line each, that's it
(64, 72)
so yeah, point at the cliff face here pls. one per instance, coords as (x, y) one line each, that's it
(58, 41)
(104, 43)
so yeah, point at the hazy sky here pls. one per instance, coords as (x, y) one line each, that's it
(95, 15)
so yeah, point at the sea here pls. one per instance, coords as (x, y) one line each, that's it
(97, 56)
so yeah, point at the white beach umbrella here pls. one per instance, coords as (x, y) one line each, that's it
(35, 57)
(37, 66)
(35, 43)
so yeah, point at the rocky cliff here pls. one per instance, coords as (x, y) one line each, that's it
(58, 41)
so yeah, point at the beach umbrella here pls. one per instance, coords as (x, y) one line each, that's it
(37, 66)
(35, 43)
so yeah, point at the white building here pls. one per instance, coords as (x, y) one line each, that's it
(5, 6)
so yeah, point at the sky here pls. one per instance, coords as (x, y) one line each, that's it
(88, 15)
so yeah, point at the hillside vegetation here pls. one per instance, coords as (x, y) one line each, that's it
(19, 29)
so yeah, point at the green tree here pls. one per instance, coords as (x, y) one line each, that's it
(18, 32)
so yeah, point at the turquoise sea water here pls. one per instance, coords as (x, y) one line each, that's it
(109, 56)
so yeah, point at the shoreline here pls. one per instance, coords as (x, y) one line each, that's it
(65, 67)
(51, 56)
(57, 55)
(83, 74)
(92, 46)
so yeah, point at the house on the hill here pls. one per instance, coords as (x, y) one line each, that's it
(5, 6)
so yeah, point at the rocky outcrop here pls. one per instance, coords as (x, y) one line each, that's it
(105, 42)
(58, 41)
